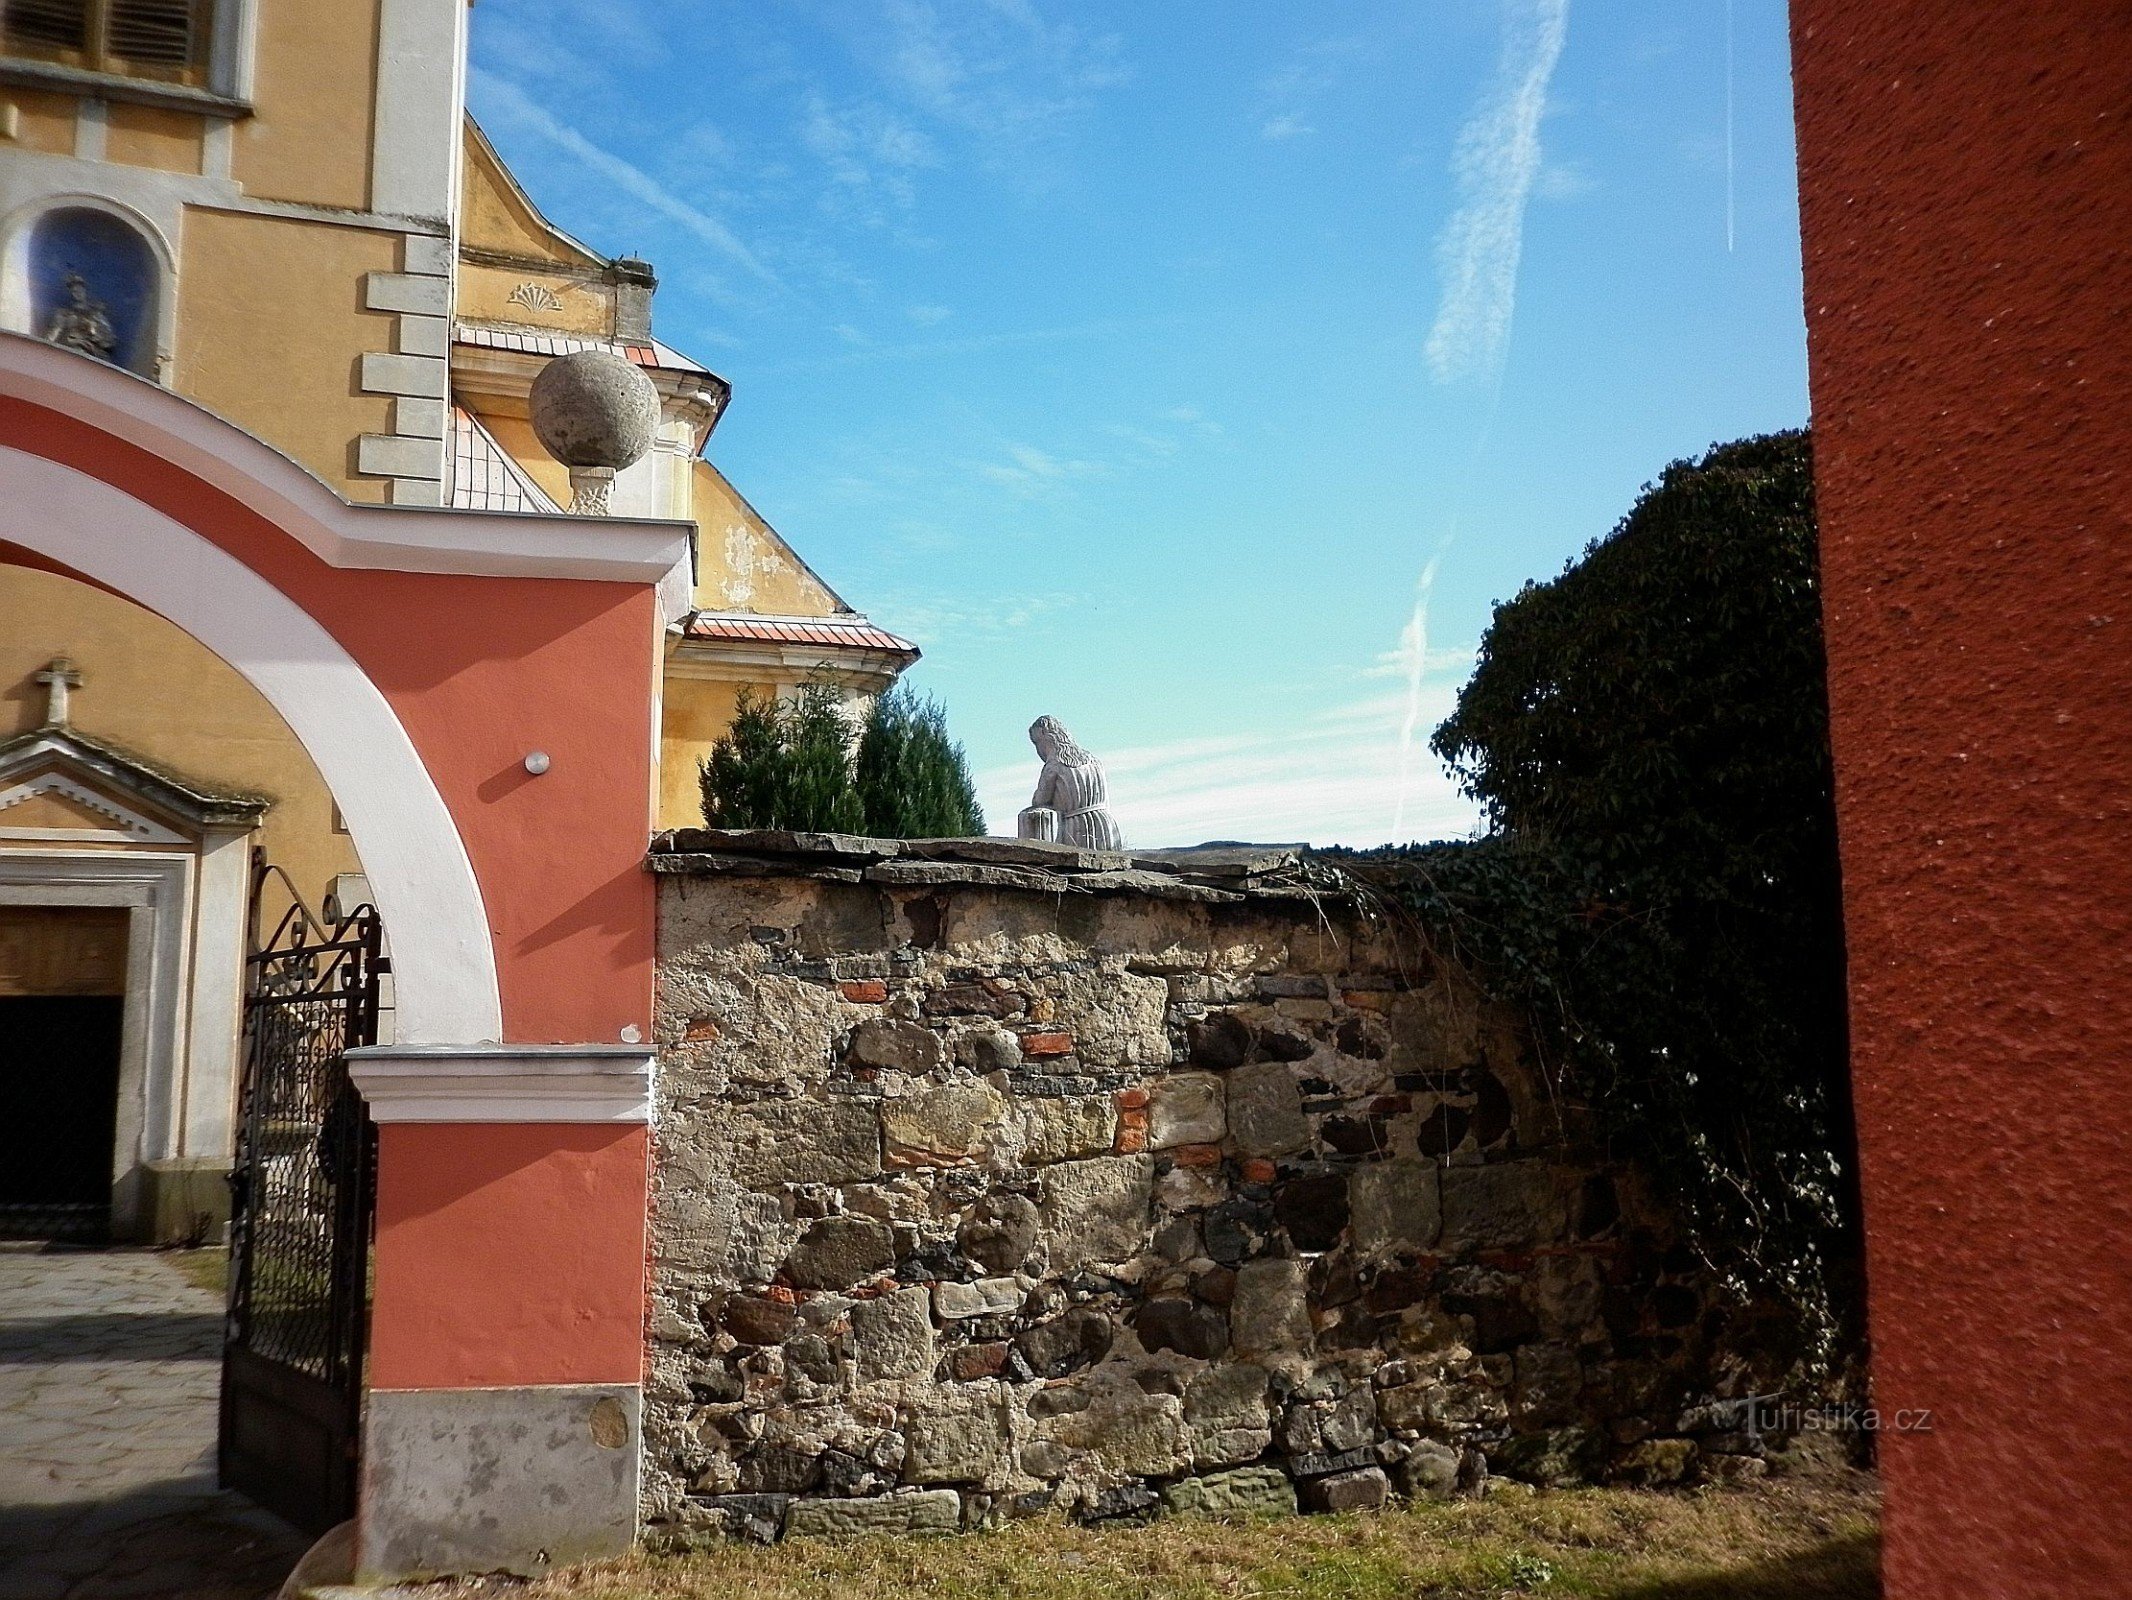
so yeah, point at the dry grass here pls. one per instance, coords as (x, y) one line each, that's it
(203, 1269)
(1787, 1540)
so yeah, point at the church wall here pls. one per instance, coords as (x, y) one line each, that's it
(484, 294)
(742, 565)
(316, 86)
(266, 296)
(149, 136)
(46, 121)
(150, 688)
(697, 711)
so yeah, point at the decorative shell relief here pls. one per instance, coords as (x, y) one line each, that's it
(536, 297)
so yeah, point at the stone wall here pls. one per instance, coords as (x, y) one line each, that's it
(996, 1178)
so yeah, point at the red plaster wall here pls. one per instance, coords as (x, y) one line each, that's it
(480, 671)
(514, 1253)
(1966, 198)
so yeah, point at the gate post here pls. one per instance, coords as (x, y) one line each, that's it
(507, 1344)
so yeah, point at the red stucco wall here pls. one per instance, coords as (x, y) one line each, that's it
(1966, 198)
(479, 672)
(515, 1254)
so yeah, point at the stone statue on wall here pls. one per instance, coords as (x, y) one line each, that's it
(1068, 806)
(83, 323)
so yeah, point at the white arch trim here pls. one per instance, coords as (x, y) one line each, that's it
(392, 538)
(445, 964)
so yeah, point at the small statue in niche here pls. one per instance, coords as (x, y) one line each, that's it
(1068, 806)
(83, 323)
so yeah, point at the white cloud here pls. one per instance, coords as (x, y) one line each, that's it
(1030, 472)
(1286, 126)
(928, 316)
(639, 185)
(1496, 163)
(1333, 780)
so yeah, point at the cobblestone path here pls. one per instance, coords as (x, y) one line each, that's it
(109, 1363)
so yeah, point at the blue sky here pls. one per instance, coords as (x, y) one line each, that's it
(1150, 365)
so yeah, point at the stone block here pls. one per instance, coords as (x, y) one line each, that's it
(1429, 1471)
(1065, 1344)
(1128, 1432)
(1185, 1326)
(885, 1042)
(1313, 1210)
(1066, 1128)
(1186, 1108)
(1246, 1492)
(988, 1297)
(758, 1518)
(942, 1126)
(1361, 1490)
(892, 1337)
(1509, 1206)
(999, 1232)
(838, 1252)
(497, 1480)
(1271, 1312)
(1266, 1111)
(1220, 1041)
(801, 1141)
(956, 1436)
(922, 1511)
(1096, 1211)
(1395, 1207)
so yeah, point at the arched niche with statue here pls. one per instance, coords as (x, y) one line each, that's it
(92, 277)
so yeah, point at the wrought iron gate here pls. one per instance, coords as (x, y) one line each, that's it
(302, 1192)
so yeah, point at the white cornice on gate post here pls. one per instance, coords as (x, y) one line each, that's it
(504, 1083)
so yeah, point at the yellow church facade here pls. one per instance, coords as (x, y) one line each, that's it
(280, 211)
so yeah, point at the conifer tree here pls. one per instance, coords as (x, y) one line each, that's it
(913, 780)
(743, 778)
(819, 797)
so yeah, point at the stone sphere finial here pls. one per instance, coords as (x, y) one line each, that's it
(595, 413)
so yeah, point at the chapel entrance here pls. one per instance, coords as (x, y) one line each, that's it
(62, 1023)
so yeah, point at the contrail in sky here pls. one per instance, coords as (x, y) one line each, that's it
(1414, 655)
(1497, 158)
(633, 181)
(1728, 124)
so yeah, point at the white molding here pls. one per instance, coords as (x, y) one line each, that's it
(91, 126)
(505, 1083)
(389, 538)
(421, 94)
(402, 829)
(127, 826)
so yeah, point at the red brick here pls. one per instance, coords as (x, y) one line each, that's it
(863, 991)
(1132, 1099)
(700, 1030)
(1047, 1044)
(1132, 1133)
(974, 1361)
(1196, 1155)
(1259, 1170)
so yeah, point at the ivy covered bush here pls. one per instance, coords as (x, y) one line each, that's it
(1648, 735)
(792, 764)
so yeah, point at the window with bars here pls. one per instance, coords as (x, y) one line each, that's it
(162, 39)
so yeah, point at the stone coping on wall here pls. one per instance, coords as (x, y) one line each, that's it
(1208, 873)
